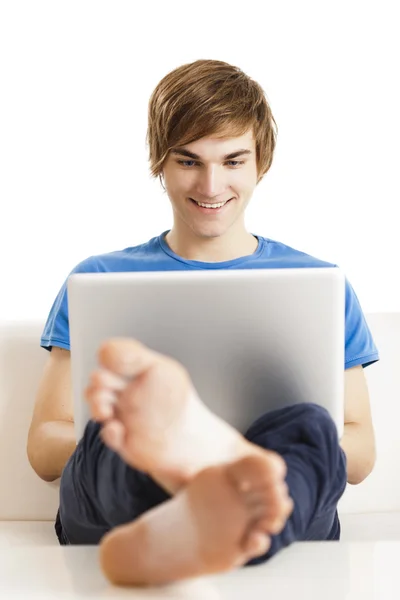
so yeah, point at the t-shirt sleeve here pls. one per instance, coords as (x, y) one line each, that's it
(56, 330)
(360, 348)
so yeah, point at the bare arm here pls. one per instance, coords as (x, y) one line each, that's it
(358, 441)
(51, 438)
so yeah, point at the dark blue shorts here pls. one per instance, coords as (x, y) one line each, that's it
(98, 491)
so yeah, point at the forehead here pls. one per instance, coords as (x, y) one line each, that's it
(218, 146)
(223, 141)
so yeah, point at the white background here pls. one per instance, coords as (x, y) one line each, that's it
(76, 78)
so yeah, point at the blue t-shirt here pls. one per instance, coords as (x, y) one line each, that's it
(156, 255)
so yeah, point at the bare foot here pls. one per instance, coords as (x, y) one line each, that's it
(220, 521)
(153, 417)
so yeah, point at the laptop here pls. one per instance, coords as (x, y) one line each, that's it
(253, 340)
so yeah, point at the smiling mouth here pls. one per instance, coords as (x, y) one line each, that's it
(210, 206)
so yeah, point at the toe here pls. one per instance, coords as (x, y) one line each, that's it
(274, 502)
(257, 471)
(266, 498)
(103, 378)
(256, 543)
(101, 403)
(273, 525)
(113, 434)
(125, 357)
(273, 521)
(274, 497)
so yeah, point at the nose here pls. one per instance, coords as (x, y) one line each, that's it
(211, 183)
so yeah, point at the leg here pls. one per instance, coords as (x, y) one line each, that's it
(222, 516)
(152, 416)
(306, 438)
(99, 491)
(218, 522)
(170, 437)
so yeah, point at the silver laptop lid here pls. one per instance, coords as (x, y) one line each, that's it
(252, 340)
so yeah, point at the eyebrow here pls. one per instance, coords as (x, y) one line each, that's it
(230, 156)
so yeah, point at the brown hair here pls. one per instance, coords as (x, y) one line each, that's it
(203, 98)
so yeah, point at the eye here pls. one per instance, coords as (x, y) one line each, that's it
(238, 162)
(184, 163)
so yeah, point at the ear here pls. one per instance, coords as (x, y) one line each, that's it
(161, 178)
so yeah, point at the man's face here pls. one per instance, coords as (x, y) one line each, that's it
(204, 171)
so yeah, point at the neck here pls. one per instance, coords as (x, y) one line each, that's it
(211, 249)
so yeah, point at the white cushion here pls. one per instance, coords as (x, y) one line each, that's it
(27, 533)
(23, 495)
(370, 527)
(380, 492)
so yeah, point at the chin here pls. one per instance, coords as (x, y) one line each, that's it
(210, 234)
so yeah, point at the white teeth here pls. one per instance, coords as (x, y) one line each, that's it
(211, 205)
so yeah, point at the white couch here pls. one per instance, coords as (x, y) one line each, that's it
(28, 505)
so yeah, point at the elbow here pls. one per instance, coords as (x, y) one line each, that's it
(50, 446)
(358, 444)
(363, 471)
(41, 473)
(35, 456)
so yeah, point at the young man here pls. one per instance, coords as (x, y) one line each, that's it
(168, 489)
